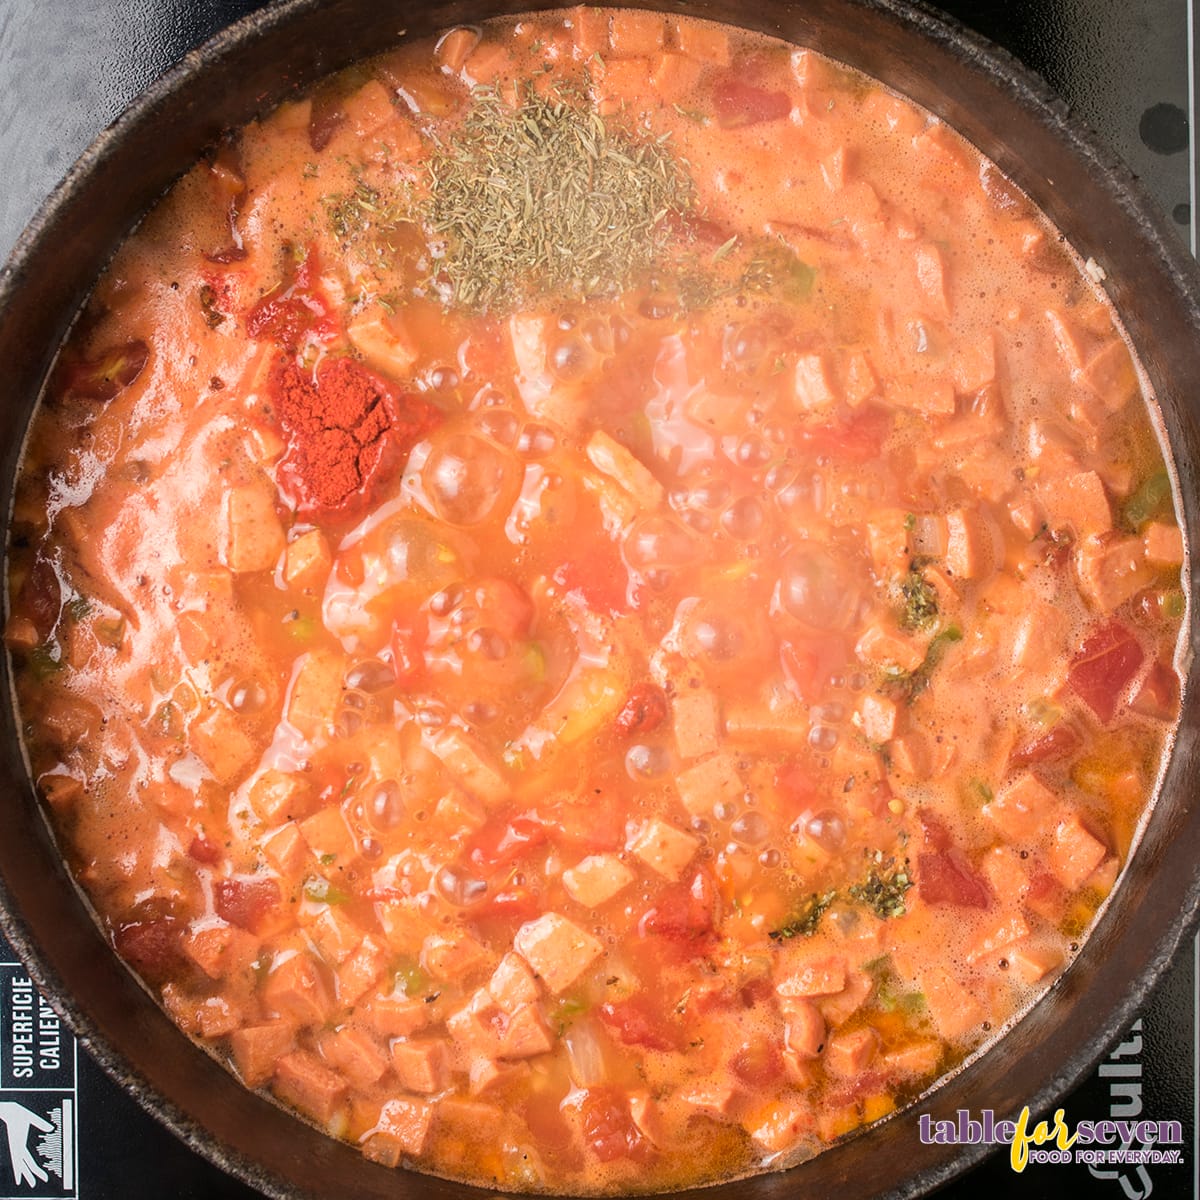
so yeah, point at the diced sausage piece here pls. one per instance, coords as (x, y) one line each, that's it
(254, 537)
(465, 758)
(421, 1065)
(1158, 696)
(1107, 663)
(970, 552)
(816, 389)
(954, 1009)
(403, 1129)
(878, 716)
(307, 561)
(696, 723)
(329, 836)
(297, 989)
(398, 1016)
(1068, 339)
(805, 1030)
(557, 949)
(922, 394)
(664, 849)
(304, 1082)
(225, 747)
(673, 76)
(882, 647)
(287, 851)
(849, 1054)
(711, 1098)
(1033, 963)
(512, 983)
(1006, 876)
(360, 972)
(648, 1117)
(316, 692)
(335, 934)
(1046, 898)
(612, 459)
(280, 796)
(809, 976)
(525, 1034)
(1111, 569)
(709, 43)
(221, 950)
(1020, 810)
(453, 958)
(703, 786)
(914, 1061)
(356, 1055)
(931, 278)
(996, 937)
(1111, 376)
(840, 1007)
(781, 1125)
(1079, 502)
(1163, 544)
(597, 879)
(257, 1048)
(591, 30)
(454, 47)
(1039, 636)
(1075, 852)
(861, 382)
(887, 538)
(910, 755)
(975, 364)
(384, 340)
(633, 33)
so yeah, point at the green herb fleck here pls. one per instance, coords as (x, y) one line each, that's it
(321, 891)
(1152, 499)
(804, 923)
(884, 887)
(78, 607)
(908, 685)
(919, 609)
(45, 660)
(409, 977)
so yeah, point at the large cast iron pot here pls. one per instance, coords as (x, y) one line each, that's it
(1014, 119)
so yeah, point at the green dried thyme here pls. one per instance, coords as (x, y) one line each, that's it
(547, 198)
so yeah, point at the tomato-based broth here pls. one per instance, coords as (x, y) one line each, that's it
(595, 602)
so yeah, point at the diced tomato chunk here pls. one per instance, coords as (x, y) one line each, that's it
(644, 711)
(636, 1022)
(500, 843)
(41, 598)
(1056, 743)
(859, 440)
(114, 369)
(608, 1128)
(204, 851)
(152, 947)
(758, 1062)
(408, 651)
(1104, 667)
(590, 827)
(937, 835)
(738, 103)
(683, 914)
(601, 580)
(504, 607)
(1159, 694)
(514, 903)
(244, 902)
(947, 879)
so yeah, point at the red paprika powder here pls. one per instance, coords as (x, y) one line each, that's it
(343, 424)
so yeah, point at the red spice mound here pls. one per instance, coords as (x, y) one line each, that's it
(341, 425)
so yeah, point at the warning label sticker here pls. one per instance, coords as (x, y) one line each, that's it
(39, 1105)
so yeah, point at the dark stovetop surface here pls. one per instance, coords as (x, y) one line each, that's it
(67, 69)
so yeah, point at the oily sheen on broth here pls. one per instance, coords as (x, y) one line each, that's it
(595, 602)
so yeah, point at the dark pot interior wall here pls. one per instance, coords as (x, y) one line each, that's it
(103, 52)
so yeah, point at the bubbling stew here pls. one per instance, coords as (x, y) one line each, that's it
(595, 603)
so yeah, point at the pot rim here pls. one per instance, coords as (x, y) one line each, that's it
(1001, 69)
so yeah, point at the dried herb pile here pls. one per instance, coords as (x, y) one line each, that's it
(548, 198)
